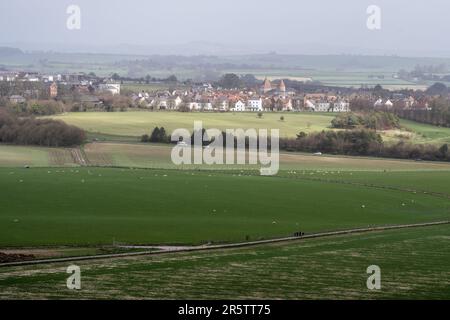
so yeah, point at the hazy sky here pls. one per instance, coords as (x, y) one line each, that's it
(408, 27)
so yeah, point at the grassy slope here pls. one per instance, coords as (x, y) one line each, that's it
(139, 123)
(428, 133)
(97, 206)
(19, 156)
(414, 265)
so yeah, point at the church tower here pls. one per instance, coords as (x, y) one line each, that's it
(282, 87)
(267, 86)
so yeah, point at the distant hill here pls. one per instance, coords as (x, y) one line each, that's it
(8, 51)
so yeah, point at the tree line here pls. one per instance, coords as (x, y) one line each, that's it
(36, 107)
(362, 142)
(438, 113)
(356, 142)
(369, 120)
(31, 131)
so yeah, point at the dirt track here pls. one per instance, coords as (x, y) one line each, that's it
(78, 157)
(169, 249)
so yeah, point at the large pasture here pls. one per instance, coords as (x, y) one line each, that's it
(92, 206)
(123, 125)
(139, 123)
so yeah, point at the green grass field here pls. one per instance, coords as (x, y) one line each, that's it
(139, 123)
(419, 181)
(414, 264)
(426, 133)
(19, 156)
(123, 125)
(91, 206)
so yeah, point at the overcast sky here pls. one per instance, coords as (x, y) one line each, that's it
(408, 27)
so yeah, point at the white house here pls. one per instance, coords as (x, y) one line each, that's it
(7, 77)
(380, 103)
(113, 88)
(239, 106)
(389, 104)
(255, 104)
(174, 102)
(322, 106)
(341, 106)
(194, 105)
(310, 105)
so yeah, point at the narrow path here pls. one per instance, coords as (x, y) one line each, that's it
(78, 157)
(178, 249)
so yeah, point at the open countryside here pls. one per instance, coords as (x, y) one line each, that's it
(135, 124)
(104, 195)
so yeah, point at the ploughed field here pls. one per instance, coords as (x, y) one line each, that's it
(139, 155)
(92, 206)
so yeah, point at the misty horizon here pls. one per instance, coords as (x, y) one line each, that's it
(227, 28)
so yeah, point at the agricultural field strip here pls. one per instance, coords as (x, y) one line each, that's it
(226, 246)
(370, 185)
(125, 126)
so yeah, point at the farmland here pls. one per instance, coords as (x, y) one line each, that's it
(120, 125)
(157, 156)
(140, 155)
(341, 78)
(59, 202)
(14, 156)
(414, 265)
(139, 123)
(91, 206)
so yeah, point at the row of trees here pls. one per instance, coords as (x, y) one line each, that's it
(358, 142)
(30, 131)
(157, 135)
(232, 81)
(438, 115)
(370, 120)
(36, 107)
(362, 143)
(36, 90)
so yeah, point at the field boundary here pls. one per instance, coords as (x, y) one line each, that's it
(222, 246)
(376, 186)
